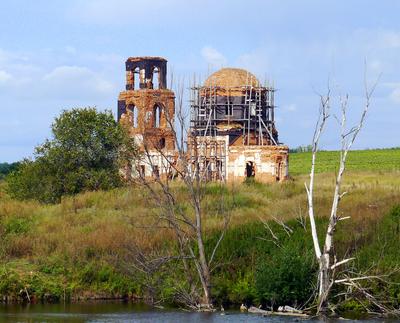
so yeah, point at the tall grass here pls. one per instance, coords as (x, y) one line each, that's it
(72, 248)
(106, 220)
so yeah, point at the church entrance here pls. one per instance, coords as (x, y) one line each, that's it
(250, 171)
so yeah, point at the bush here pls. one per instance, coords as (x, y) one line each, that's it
(243, 291)
(10, 283)
(89, 274)
(286, 278)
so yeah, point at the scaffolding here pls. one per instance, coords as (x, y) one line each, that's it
(245, 113)
(208, 157)
(225, 116)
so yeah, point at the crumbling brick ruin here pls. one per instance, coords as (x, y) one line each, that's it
(232, 126)
(145, 107)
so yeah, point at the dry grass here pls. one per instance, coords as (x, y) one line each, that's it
(103, 223)
(80, 244)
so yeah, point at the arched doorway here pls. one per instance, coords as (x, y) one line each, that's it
(250, 169)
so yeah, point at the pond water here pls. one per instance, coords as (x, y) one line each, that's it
(121, 312)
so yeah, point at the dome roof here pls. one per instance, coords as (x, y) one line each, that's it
(231, 77)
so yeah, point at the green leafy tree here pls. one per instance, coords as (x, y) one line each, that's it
(85, 153)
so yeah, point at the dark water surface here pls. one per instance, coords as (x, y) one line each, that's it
(121, 312)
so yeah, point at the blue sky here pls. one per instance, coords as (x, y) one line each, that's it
(58, 55)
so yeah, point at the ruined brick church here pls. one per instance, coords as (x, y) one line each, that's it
(232, 123)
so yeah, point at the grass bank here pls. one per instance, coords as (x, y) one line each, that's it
(81, 247)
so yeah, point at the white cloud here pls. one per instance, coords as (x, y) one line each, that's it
(76, 82)
(395, 95)
(66, 73)
(106, 59)
(118, 11)
(290, 107)
(7, 57)
(70, 50)
(4, 77)
(213, 56)
(376, 66)
(255, 61)
(53, 75)
(394, 88)
(391, 39)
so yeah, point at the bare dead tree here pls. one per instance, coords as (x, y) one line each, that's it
(326, 257)
(182, 169)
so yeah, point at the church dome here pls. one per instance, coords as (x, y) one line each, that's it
(231, 78)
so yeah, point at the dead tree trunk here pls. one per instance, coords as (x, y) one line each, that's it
(187, 225)
(327, 258)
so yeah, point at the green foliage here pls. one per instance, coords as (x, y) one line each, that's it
(17, 285)
(104, 277)
(17, 225)
(243, 290)
(57, 279)
(286, 278)
(382, 249)
(6, 168)
(353, 309)
(9, 282)
(53, 266)
(84, 154)
(89, 274)
(28, 182)
(255, 269)
(358, 160)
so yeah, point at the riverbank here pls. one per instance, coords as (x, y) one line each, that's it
(85, 247)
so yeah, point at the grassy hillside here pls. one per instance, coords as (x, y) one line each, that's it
(358, 160)
(83, 246)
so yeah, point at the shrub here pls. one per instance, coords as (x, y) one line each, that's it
(243, 291)
(88, 275)
(10, 283)
(286, 278)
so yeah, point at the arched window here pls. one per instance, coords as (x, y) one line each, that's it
(228, 109)
(161, 143)
(156, 78)
(157, 116)
(135, 113)
(136, 79)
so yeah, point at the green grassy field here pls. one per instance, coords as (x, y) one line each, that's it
(358, 160)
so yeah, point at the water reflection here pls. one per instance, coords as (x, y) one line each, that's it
(119, 312)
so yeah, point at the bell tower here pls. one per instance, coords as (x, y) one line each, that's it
(146, 106)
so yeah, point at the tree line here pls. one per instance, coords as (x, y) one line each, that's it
(7, 168)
